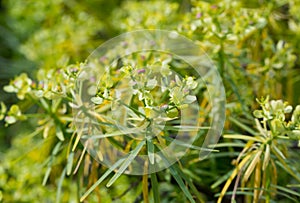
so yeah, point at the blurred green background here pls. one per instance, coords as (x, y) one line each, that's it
(43, 35)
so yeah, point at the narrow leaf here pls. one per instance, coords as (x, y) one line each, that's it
(242, 137)
(178, 179)
(278, 153)
(243, 126)
(47, 174)
(155, 188)
(79, 133)
(150, 149)
(59, 133)
(232, 176)
(252, 165)
(187, 178)
(111, 169)
(189, 146)
(186, 128)
(266, 157)
(228, 144)
(59, 185)
(100, 136)
(126, 163)
(287, 168)
(287, 190)
(56, 148)
(70, 163)
(221, 179)
(124, 131)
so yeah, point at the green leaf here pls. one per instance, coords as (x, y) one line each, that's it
(181, 184)
(47, 174)
(100, 136)
(155, 188)
(285, 189)
(70, 163)
(56, 104)
(45, 105)
(278, 153)
(59, 133)
(126, 163)
(56, 148)
(59, 185)
(222, 179)
(186, 128)
(287, 168)
(188, 179)
(267, 155)
(109, 171)
(133, 109)
(228, 144)
(189, 146)
(150, 148)
(116, 133)
(242, 137)
(293, 185)
(243, 126)
(178, 179)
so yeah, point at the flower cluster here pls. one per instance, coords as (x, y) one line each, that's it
(153, 85)
(53, 85)
(12, 115)
(274, 114)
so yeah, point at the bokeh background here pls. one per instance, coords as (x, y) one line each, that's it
(255, 45)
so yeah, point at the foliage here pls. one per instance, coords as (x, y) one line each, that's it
(255, 47)
(265, 150)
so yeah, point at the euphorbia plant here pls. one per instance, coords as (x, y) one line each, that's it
(265, 151)
(255, 47)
